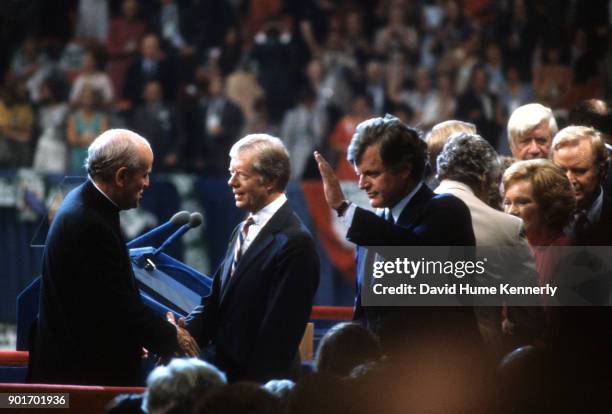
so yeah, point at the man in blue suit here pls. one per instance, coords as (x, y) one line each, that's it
(389, 160)
(253, 320)
(92, 324)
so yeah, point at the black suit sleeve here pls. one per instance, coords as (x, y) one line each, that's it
(446, 220)
(114, 293)
(202, 320)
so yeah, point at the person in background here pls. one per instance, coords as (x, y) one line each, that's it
(531, 128)
(84, 125)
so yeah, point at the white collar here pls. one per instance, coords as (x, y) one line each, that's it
(103, 193)
(262, 217)
(397, 209)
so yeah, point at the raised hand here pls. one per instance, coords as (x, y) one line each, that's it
(331, 185)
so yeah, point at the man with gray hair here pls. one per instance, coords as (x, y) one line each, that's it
(176, 387)
(253, 320)
(467, 167)
(531, 128)
(92, 323)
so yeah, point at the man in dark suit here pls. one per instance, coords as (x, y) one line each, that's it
(253, 320)
(150, 65)
(92, 324)
(220, 124)
(581, 153)
(389, 159)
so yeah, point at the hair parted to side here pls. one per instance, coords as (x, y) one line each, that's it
(399, 145)
(468, 158)
(271, 157)
(111, 150)
(572, 135)
(551, 189)
(527, 117)
(439, 134)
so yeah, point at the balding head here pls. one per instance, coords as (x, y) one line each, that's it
(120, 161)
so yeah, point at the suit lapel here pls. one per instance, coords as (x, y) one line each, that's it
(258, 246)
(414, 208)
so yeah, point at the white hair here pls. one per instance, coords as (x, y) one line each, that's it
(180, 383)
(527, 117)
(111, 150)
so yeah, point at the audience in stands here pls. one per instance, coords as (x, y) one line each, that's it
(346, 346)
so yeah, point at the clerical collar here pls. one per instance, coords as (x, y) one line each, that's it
(103, 193)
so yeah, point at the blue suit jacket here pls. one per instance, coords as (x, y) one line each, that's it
(428, 219)
(252, 325)
(92, 321)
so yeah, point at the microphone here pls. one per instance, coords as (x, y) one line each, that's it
(179, 219)
(195, 219)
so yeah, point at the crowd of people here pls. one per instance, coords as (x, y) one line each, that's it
(192, 76)
(504, 90)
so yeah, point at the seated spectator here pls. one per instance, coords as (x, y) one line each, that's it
(345, 346)
(50, 155)
(239, 398)
(125, 404)
(538, 192)
(281, 389)
(93, 75)
(84, 125)
(16, 122)
(531, 128)
(174, 388)
(321, 393)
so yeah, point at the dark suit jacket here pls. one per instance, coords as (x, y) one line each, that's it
(428, 219)
(252, 326)
(213, 149)
(136, 78)
(92, 322)
(600, 233)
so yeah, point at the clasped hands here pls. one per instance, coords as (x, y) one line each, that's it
(188, 345)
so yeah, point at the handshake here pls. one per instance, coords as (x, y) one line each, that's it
(188, 345)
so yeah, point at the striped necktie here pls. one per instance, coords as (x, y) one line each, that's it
(238, 247)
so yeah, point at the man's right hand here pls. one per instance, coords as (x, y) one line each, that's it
(188, 345)
(331, 185)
